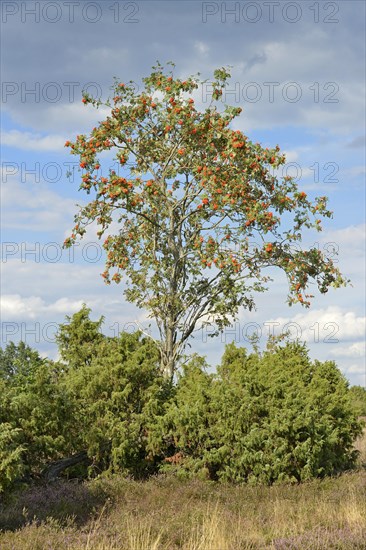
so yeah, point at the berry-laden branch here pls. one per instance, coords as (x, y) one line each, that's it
(196, 194)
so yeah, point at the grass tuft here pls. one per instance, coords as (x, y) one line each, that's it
(164, 513)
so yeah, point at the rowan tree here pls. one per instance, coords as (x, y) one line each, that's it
(179, 215)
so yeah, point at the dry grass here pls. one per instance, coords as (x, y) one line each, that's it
(166, 514)
(360, 445)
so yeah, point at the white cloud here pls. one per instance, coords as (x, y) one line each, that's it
(69, 119)
(34, 207)
(347, 248)
(330, 325)
(291, 156)
(67, 277)
(33, 142)
(356, 369)
(356, 349)
(305, 53)
(14, 306)
(49, 289)
(352, 237)
(307, 90)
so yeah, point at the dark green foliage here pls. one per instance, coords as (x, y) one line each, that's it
(35, 413)
(102, 400)
(11, 450)
(118, 395)
(262, 417)
(187, 425)
(18, 364)
(267, 417)
(117, 388)
(78, 340)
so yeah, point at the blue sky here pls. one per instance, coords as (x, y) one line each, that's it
(298, 72)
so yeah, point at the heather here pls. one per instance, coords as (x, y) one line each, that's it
(166, 514)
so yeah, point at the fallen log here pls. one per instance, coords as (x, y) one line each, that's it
(53, 470)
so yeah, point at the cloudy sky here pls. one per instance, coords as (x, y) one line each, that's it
(297, 72)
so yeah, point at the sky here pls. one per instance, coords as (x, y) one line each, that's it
(298, 72)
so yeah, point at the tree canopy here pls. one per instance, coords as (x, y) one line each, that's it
(196, 212)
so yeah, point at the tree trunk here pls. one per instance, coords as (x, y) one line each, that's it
(167, 366)
(169, 352)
